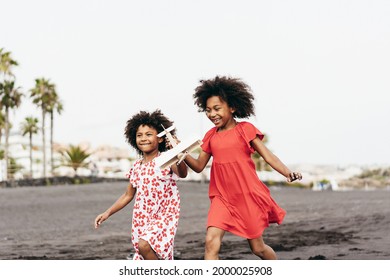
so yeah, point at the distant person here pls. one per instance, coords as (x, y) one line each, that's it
(240, 203)
(157, 203)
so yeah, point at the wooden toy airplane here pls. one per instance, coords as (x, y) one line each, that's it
(179, 151)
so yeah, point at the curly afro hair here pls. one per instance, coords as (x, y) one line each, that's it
(154, 120)
(233, 91)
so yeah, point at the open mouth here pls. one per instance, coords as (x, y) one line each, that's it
(144, 144)
(216, 121)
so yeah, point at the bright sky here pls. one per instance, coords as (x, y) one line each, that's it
(320, 70)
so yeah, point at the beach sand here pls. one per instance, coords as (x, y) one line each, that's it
(56, 222)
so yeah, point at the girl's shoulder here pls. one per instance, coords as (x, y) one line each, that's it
(245, 125)
(249, 131)
(133, 167)
(137, 162)
(206, 140)
(210, 132)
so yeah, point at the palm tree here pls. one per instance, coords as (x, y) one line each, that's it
(14, 167)
(30, 127)
(7, 87)
(41, 96)
(259, 161)
(53, 105)
(2, 124)
(10, 98)
(6, 63)
(75, 157)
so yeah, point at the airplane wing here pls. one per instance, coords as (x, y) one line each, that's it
(162, 133)
(173, 155)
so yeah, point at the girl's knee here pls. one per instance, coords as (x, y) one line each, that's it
(146, 251)
(143, 247)
(264, 252)
(259, 250)
(212, 242)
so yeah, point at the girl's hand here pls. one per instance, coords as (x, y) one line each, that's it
(294, 176)
(168, 144)
(100, 219)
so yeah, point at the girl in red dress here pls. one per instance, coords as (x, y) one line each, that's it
(240, 202)
(157, 203)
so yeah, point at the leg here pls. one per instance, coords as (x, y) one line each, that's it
(146, 251)
(213, 243)
(262, 250)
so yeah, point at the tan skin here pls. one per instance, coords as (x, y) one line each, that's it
(219, 112)
(147, 142)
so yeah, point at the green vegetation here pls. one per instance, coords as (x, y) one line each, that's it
(30, 127)
(10, 97)
(378, 174)
(369, 178)
(260, 163)
(75, 157)
(43, 95)
(13, 167)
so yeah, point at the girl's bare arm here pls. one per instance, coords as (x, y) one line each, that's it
(180, 170)
(198, 164)
(274, 161)
(122, 201)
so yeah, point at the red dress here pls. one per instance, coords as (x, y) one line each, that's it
(240, 202)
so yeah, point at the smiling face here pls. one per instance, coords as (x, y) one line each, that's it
(147, 140)
(220, 114)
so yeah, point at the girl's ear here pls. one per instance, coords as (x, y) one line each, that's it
(232, 110)
(160, 139)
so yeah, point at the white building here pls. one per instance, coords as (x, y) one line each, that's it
(105, 161)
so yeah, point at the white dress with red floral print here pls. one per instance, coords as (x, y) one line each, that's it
(156, 208)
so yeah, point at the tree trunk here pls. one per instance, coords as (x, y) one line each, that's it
(51, 142)
(43, 143)
(31, 159)
(6, 173)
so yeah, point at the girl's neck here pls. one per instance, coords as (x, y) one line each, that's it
(147, 157)
(229, 125)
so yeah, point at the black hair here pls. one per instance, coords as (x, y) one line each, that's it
(154, 120)
(233, 91)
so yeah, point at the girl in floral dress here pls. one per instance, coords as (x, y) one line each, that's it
(157, 200)
(240, 202)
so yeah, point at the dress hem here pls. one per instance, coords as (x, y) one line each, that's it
(238, 233)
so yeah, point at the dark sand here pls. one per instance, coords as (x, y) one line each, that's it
(57, 223)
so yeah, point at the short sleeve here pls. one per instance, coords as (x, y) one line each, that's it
(133, 174)
(166, 174)
(249, 132)
(206, 140)
(129, 173)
